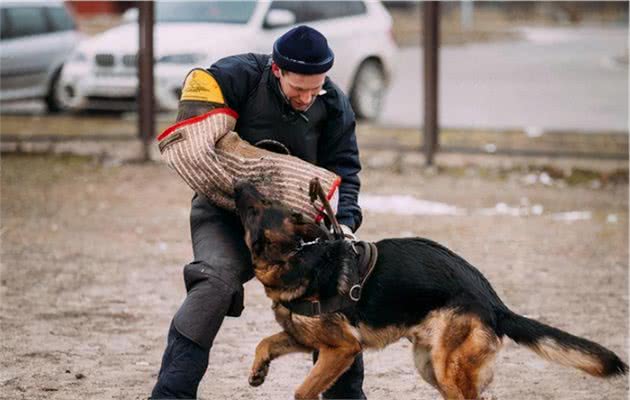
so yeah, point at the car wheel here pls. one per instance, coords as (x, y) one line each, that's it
(56, 99)
(368, 90)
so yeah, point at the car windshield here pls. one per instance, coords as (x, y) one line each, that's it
(230, 12)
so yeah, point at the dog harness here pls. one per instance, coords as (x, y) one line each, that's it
(367, 254)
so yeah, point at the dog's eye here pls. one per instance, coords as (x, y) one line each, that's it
(297, 218)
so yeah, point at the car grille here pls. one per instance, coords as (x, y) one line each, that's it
(127, 103)
(130, 60)
(104, 60)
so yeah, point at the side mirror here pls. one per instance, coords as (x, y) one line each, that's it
(279, 18)
(131, 15)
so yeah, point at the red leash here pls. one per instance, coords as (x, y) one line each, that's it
(316, 190)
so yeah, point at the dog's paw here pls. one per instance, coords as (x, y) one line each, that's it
(258, 375)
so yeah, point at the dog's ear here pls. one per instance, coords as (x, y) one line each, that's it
(298, 218)
(255, 238)
(307, 231)
(258, 244)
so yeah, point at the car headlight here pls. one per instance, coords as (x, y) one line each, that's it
(188, 58)
(78, 57)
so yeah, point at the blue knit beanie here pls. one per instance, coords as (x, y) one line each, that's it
(303, 50)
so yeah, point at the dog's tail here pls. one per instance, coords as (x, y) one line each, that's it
(562, 347)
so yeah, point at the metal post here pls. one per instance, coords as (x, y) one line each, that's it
(146, 119)
(430, 16)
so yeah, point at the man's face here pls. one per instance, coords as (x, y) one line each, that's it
(300, 90)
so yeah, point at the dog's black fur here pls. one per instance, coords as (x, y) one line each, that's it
(418, 289)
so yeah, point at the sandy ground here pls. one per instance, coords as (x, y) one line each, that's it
(91, 275)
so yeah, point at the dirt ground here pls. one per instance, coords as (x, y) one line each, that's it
(92, 259)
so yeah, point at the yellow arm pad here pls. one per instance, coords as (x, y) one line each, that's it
(200, 85)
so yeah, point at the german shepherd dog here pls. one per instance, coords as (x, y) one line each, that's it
(418, 290)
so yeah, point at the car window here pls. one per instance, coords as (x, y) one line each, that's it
(26, 21)
(60, 19)
(307, 11)
(338, 9)
(231, 12)
(301, 10)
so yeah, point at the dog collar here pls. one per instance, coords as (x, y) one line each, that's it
(303, 245)
(367, 254)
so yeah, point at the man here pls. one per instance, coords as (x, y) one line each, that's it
(286, 100)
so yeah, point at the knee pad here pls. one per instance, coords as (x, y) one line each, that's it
(208, 301)
(202, 273)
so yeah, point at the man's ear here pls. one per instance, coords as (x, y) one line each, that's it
(275, 70)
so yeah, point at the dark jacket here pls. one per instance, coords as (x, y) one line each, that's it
(323, 135)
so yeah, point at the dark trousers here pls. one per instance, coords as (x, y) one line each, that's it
(183, 365)
(214, 282)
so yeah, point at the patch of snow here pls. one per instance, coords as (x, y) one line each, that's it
(546, 36)
(504, 209)
(490, 148)
(530, 179)
(410, 205)
(612, 218)
(545, 179)
(406, 234)
(534, 131)
(571, 216)
(406, 205)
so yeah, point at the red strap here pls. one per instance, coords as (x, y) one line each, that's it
(329, 196)
(223, 110)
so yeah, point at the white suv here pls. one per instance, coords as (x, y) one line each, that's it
(102, 73)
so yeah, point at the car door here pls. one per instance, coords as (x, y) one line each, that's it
(26, 52)
(62, 31)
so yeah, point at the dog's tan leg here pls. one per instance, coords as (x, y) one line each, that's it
(423, 363)
(453, 380)
(330, 365)
(269, 349)
(466, 348)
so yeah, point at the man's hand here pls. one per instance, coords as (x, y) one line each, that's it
(347, 232)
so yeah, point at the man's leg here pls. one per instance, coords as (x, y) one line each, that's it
(350, 384)
(192, 332)
(183, 365)
(214, 286)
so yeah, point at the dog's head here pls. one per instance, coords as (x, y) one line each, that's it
(276, 237)
(272, 232)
